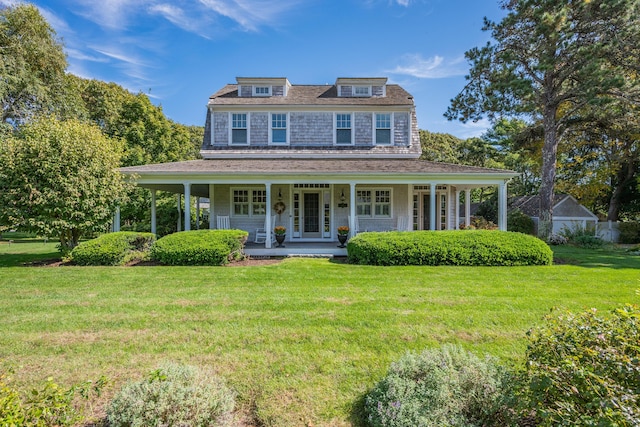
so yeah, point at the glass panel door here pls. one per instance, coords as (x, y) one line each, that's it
(311, 215)
(426, 211)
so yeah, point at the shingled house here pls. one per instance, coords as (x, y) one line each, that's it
(315, 157)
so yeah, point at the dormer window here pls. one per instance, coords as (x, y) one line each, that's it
(362, 91)
(262, 91)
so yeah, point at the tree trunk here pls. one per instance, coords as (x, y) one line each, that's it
(549, 157)
(624, 176)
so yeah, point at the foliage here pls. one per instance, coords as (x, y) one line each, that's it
(113, 248)
(173, 395)
(32, 64)
(479, 223)
(200, 247)
(59, 178)
(558, 239)
(520, 222)
(280, 230)
(49, 405)
(629, 232)
(441, 387)
(478, 247)
(550, 59)
(582, 236)
(343, 229)
(584, 369)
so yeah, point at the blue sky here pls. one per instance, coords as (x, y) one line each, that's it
(179, 52)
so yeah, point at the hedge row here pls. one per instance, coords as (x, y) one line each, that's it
(113, 248)
(201, 247)
(468, 247)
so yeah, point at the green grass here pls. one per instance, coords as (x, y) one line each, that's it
(301, 341)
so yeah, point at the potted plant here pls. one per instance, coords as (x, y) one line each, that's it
(281, 233)
(343, 235)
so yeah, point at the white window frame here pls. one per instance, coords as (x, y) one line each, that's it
(271, 129)
(257, 92)
(375, 129)
(231, 128)
(252, 205)
(372, 202)
(367, 94)
(336, 128)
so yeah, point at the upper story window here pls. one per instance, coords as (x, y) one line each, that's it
(362, 91)
(279, 128)
(383, 129)
(239, 129)
(343, 128)
(262, 91)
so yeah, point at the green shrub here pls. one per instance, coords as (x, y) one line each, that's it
(629, 232)
(520, 222)
(113, 248)
(584, 237)
(173, 395)
(445, 387)
(585, 369)
(474, 247)
(200, 247)
(49, 405)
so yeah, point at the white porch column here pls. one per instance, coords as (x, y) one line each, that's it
(187, 206)
(267, 222)
(432, 207)
(409, 207)
(179, 198)
(467, 207)
(352, 208)
(116, 219)
(502, 206)
(211, 216)
(197, 213)
(457, 214)
(153, 212)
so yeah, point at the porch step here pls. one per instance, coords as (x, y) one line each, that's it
(330, 256)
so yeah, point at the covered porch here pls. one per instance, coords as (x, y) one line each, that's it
(312, 198)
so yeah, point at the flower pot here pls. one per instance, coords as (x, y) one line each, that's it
(280, 238)
(342, 238)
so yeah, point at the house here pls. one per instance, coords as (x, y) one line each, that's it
(315, 157)
(567, 212)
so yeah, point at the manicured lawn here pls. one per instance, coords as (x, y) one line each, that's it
(301, 341)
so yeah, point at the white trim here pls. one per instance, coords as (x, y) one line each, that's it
(250, 190)
(248, 128)
(373, 203)
(356, 95)
(335, 128)
(287, 130)
(391, 129)
(262, 95)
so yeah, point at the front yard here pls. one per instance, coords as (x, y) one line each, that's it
(300, 341)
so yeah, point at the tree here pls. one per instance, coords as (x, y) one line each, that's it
(59, 178)
(550, 55)
(32, 64)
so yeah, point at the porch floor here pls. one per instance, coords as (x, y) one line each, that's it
(308, 249)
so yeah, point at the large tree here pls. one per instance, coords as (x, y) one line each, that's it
(548, 60)
(32, 64)
(59, 178)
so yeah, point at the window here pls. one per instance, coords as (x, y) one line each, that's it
(239, 129)
(279, 128)
(249, 202)
(343, 128)
(362, 90)
(374, 203)
(383, 129)
(262, 90)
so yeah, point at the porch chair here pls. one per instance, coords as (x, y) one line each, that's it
(223, 222)
(261, 233)
(402, 224)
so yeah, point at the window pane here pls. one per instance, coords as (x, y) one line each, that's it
(239, 136)
(239, 121)
(279, 136)
(343, 136)
(383, 136)
(343, 121)
(278, 121)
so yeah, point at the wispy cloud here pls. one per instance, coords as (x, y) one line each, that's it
(110, 14)
(179, 18)
(436, 67)
(251, 14)
(403, 2)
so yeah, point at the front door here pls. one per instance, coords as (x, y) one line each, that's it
(426, 211)
(312, 215)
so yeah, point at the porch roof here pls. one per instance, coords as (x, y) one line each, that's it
(316, 167)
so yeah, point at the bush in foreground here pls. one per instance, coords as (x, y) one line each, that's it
(585, 369)
(629, 232)
(442, 387)
(200, 247)
(174, 395)
(113, 248)
(469, 247)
